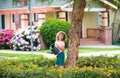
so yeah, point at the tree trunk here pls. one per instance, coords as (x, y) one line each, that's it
(74, 32)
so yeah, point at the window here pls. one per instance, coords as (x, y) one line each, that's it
(99, 19)
(62, 15)
(15, 18)
(3, 21)
(35, 17)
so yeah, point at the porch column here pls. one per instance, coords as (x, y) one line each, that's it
(106, 36)
(105, 22)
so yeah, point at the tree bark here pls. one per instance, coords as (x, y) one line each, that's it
(74, 32)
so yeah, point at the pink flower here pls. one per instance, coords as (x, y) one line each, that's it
(5, 37)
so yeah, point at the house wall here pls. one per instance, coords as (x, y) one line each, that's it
(111, 17)
(13, 26)
(8, 21)
(50, 15)
(69, 16)
(90, 20)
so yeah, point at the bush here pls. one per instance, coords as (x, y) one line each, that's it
(22, 39)
(5, 36)
(49, 29)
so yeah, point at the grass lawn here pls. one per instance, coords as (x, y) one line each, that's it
(87, 49)
(97, 49)
(81, 50)
(21, 56)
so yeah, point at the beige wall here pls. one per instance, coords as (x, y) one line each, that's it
(111, 14)
(50, 15)
(69, 16)
(90, 20)
(8, 21)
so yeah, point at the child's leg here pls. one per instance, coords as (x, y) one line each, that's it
(56, 66)
(61, 67)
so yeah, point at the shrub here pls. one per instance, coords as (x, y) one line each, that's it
(5, 36)
(22, 39)
(49, 29)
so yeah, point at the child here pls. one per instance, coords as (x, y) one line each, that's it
(60, 45)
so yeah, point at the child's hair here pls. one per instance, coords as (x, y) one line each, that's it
(61, 32)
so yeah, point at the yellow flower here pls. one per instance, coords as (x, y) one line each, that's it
(109, 74)
(106, 62)
(112, 62)
(60, 73)
(47, 72)
(85, 62)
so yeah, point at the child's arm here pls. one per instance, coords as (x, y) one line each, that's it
(62, 48)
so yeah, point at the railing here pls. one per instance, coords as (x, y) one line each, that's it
(93, 33)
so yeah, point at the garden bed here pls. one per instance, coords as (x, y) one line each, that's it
(40, 67)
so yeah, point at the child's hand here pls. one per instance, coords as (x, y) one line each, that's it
(61, 48)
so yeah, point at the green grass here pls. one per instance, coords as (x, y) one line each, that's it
(97, 49)
(21, 56)
(81, 50)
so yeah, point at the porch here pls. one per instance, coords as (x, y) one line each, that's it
(97, 36)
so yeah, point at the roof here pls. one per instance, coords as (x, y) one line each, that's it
(7, 4)
(109, 3)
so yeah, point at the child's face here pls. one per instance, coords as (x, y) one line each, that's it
(60, 37)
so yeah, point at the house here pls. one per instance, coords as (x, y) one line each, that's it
(97, 21)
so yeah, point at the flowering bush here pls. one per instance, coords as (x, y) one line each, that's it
(5, 36)
(22, 39)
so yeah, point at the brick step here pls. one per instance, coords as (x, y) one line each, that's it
(87, 41)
